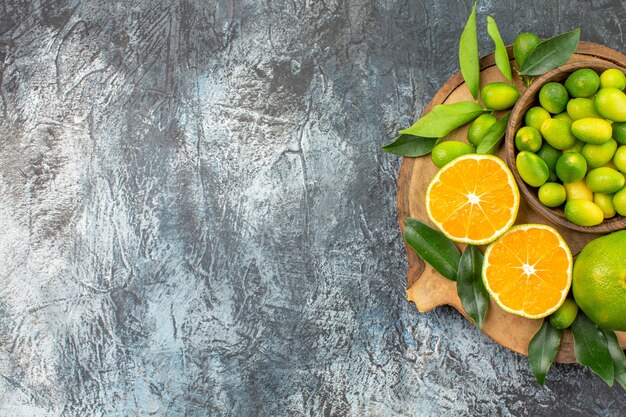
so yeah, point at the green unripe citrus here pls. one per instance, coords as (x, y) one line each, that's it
(592, 130)
(605, 202)
(531, 168)
(479, 127)
(613, 78)
(524, 44)
(528, 139)
(604, 180)
(619, 132)
(535, 116)
(549, 155)
(583, 213)
(445, 152)
(619, 159)
(582, 83)
(610, 103)
(565, 315)
(499, 96)
(553, 97)
(571, 167)
(619, 202)
(578, 190)
(581, 108)
(552, 194)
(598, 155)
(557, 133)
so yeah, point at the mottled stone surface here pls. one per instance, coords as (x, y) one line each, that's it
(197, 218)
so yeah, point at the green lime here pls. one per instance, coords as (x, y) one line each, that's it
(524, 44)
(582, 83)
(499, 96)
(598, 155)
(604, 180)
(619, 202)
(578, 190)
(479, 127)
(564, 116)
(549, 155)
(605, 202)
(535, 116)
(611, 104)
(619, 159)
(571, 167)
(553, 97)
(613, 78)
(528, 139)
(576, 147)
(445, 152)
(531, 168)
(619, 132)
(581, 108)
(565, 315)
(557, 133)
(583, 212)
(552, 194)
(592, 130)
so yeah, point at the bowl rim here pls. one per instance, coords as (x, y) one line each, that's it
(527, 100)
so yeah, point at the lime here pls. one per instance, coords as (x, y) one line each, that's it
(581, 108)
(531, 168)
(619, 159)
(582, 83)
(611, 104)
(576, 147)
(552, 194)
(571, 167)
(605, 202)
(557, 133)
(564, 116)
(553, 97)
(499, 96)
(619, 132)
(528, 139)
(598, 155)
(604, 180)
(598, 281)
(479, 127)
(524, 44)
(549, 156)
(578, 190)
(592, 130)
(445, 152)
(565, 315)
(619, 202)
(535, 116)
(613, 78)
(583, 213)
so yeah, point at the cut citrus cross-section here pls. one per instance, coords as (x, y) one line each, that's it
(473, 199)
(528, 271)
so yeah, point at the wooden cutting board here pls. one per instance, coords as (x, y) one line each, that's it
(427, 288)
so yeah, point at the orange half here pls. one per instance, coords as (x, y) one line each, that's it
(528, 271)
(473, 199)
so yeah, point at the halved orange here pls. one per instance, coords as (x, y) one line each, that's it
(528, 271)
(473, 199)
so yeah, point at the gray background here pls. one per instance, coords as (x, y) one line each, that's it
(196, 217)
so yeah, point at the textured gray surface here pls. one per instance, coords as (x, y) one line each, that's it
(197, 218)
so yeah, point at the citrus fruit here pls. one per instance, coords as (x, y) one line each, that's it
(531, 168)
(549, 155)
(619, 132)
(581, 108)
(578, 190)
(528, 271)
(598, 284)
(535, 116)
(592, 130)
(582, 83)
(552, 194)
(610, 103)
(524, 44)
(445, 152)
(557, 133)
(553, 97)
(604, 180)
(605, 202)
(613, 78)
(473, 199)
(571, 167)
(583, 212)
(499, 96)
(619, 158)
(576, 147)
(565, 315)
(479, 128)
(598, 155)
(619, 202)
(528, 139)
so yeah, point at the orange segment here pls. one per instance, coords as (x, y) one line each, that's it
(528, 271)
(473, 199)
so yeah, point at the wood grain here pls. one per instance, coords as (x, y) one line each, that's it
(425, 287)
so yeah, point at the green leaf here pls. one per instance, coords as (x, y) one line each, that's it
(493, 137)
(619, 360)
(591, 347)
(409, 145)
(433, 247)
(470, 287)
(444, 118)
(551, 53)
(502, 56)
(468, 54)
(542, 350)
